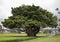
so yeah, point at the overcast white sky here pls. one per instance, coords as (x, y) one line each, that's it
(5, 5)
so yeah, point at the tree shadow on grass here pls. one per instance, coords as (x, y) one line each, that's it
(22, 38)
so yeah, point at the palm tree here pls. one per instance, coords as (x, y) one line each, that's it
(57, 9)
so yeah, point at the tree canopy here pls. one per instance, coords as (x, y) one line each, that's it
(25, 15)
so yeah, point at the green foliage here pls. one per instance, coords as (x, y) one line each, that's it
(26, 16)
(14, 21)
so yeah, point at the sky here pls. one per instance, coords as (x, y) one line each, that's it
(5, 6)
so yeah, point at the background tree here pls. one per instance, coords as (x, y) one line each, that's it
(58, 11)
(47, 32)
(31, 18)
(0, 29)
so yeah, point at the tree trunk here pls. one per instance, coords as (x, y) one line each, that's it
(31, 34)
(32, 31)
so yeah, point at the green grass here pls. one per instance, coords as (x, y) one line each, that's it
(24, 38)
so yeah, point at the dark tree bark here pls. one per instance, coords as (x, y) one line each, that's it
(32, 31)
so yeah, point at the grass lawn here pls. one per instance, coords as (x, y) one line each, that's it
(24, 38)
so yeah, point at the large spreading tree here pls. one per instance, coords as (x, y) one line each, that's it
(31, 18)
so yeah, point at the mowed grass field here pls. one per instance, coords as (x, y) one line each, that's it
(24, 38)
